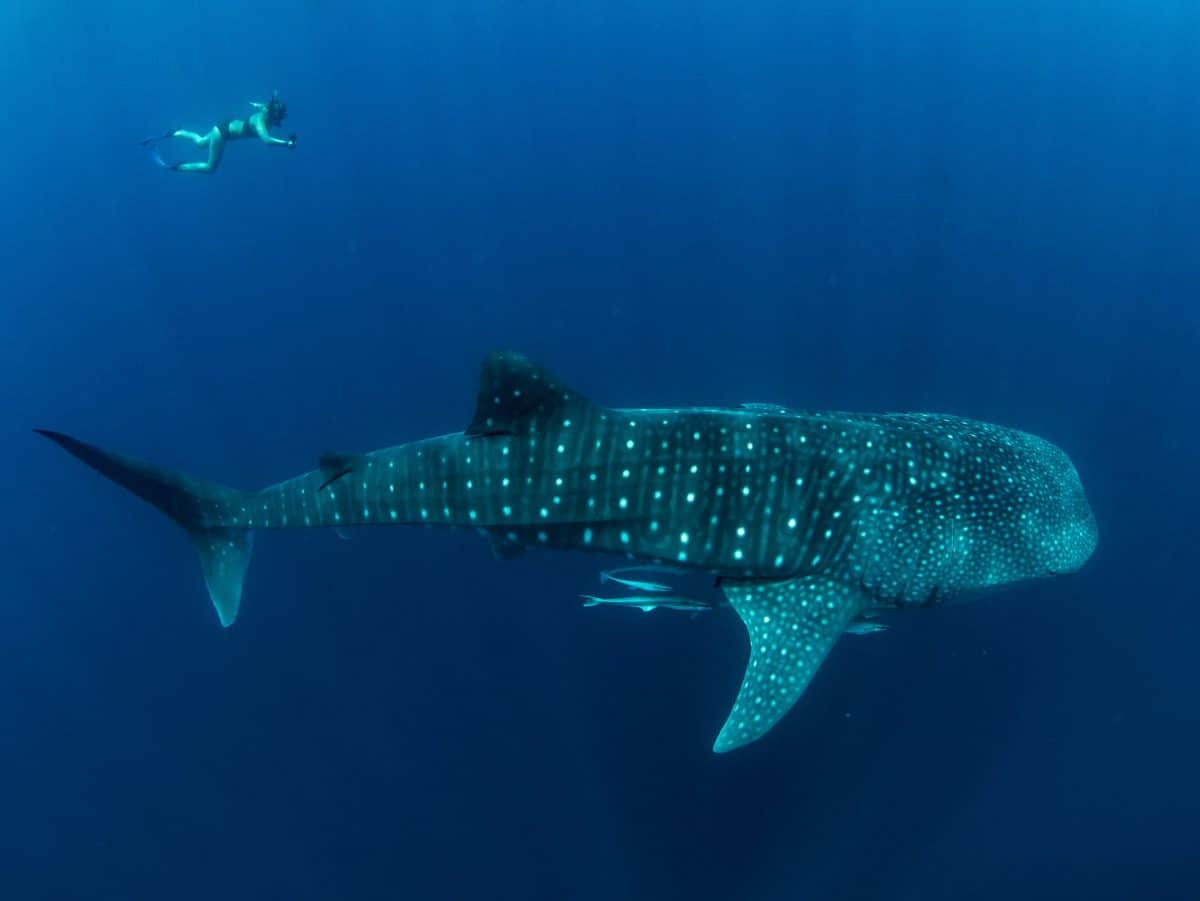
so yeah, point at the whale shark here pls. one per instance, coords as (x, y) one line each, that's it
(806, 520)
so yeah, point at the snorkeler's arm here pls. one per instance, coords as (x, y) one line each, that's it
(266, 137)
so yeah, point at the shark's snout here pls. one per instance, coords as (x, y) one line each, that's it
(1078, 534)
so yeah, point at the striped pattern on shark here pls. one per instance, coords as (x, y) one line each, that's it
(806, 519)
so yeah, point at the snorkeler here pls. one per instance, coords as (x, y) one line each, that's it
(257, 125)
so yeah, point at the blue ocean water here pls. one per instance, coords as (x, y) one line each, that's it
(986, 209)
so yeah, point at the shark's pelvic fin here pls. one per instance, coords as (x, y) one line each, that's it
(792, 627)
(515, 396)
(505, 546)
(224, 552)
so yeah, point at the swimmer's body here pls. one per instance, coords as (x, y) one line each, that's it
(257, 125)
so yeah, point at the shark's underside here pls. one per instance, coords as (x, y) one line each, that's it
(807, 519)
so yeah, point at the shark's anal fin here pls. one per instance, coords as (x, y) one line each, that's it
(792, 626)
(515, 394)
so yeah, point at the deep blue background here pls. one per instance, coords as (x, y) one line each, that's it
(834, 204)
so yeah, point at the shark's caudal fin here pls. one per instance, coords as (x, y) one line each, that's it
(193, 504)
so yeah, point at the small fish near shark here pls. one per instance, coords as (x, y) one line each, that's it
(807, 520)
(648, 602)
(619, 577)
(865, 627)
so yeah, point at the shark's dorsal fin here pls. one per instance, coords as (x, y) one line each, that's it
(334, 466)
(515, 395)
(792, 627)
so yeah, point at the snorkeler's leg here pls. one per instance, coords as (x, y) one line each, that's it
(216, 149)
(197, 139)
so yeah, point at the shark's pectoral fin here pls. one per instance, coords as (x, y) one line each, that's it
(515, 395)
(792, 626)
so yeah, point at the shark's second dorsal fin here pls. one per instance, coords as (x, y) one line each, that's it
(334, 466)
(515, 394)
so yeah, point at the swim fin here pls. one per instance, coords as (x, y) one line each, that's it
(169, 133)
(149, 144)
(157, 157)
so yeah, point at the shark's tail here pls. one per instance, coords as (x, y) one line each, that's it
(200, 508)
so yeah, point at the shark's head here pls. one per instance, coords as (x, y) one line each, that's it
(1071, 533)
(1041, 522)
(1051, 526)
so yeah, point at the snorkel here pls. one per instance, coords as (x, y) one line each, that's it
(276, 112)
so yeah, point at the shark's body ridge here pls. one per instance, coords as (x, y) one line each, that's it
(807, 519)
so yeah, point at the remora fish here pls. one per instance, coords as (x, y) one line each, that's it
(865, 628)
(632, 584)
(648, 602)
(807, 519)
